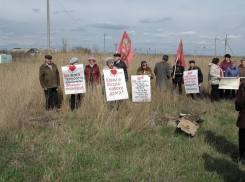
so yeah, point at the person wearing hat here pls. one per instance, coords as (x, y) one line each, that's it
(162, 72)
(50, 81)
(75, 100)
(241, 68)
(92, 72)
(199, 77)
(145, 70)
(109, 65)
(120, 64)
(224, 65)
(177, 75)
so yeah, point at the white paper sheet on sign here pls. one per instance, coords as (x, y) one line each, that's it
(115, 85)
(229, 83)
(191, 81)
(141, 88)
(74, 80)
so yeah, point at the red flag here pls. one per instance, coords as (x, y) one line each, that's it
(180, 54)
(124, 49)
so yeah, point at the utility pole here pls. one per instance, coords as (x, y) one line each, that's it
(48, 26)
(204, 51)
(115, 46)
(215, 46)
(225, 43)
(104, 42)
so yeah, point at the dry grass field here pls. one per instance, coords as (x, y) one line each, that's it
(95, 143)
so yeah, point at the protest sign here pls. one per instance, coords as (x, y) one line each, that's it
(115, 85)
(229, 83)
(74, 80)
(141, 88)
(191, 82)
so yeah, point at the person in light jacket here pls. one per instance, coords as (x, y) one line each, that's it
(215, 73)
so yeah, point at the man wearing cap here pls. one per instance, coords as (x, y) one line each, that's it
(199, 77)
(120, 64)
(50, 81)
(241, 68)
(162, 72)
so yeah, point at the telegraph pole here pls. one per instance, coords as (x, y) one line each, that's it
(48, 26)
(215, 46)
(115, 46)
(225, 43)
(104, 42)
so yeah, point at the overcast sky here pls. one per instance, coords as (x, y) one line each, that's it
(157, 24)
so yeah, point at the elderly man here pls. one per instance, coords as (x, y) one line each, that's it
(241, 68)
(199, 75)
(120, 64)
(50, 81)
(162, 72)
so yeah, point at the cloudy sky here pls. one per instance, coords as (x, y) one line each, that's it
(157, 24)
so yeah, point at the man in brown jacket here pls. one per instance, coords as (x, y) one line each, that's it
(241, 68)
(240, 106)
(50, 81)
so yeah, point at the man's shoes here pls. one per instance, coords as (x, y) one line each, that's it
(239, 160)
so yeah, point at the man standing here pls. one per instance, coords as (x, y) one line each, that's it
(199, 75)
(224, 65)
(120, 64)
(50, 81)
(241, 68)
(162, 72)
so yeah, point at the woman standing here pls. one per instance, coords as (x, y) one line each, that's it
(92, 72)
(145, 70)
(215, 73)
(177, 76)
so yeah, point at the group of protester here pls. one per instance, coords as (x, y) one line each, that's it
(50, 82)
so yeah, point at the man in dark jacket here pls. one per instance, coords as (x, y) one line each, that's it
(241, 68)
(240, 106)
(120, 64)
(50, 81)
(162, 72)
(199, 75)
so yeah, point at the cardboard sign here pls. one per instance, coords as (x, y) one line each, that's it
(74, 80)
(191, 81)
(115, 85)
(229, 83)
(141, 88)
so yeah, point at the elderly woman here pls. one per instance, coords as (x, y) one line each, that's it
(75, 100)
(92, 72)
(145, 70)
(177, 76)
(215, 73)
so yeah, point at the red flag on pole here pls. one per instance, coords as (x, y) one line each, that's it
(124, 49)
(180, 54)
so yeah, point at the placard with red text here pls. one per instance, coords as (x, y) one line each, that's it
(74, 80)
(141, 88)
(115, 85)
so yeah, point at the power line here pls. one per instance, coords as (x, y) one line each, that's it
(71, 18)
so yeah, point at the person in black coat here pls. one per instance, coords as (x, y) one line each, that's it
(177, 76)
(199, 75)
(120, 64)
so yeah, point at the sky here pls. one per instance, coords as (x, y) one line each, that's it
(156, 26)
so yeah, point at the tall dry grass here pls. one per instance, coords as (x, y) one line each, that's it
(22, 98)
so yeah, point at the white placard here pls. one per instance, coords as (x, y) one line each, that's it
(229, 83)
(141, 88)
(115, 85)
(74, 80)
(191, 81)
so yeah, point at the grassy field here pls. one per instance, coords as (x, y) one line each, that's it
(98, 144)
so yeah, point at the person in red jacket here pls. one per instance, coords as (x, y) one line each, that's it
(92, 72)
(224, 65)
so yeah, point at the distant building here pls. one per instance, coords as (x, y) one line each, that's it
(30, 51)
